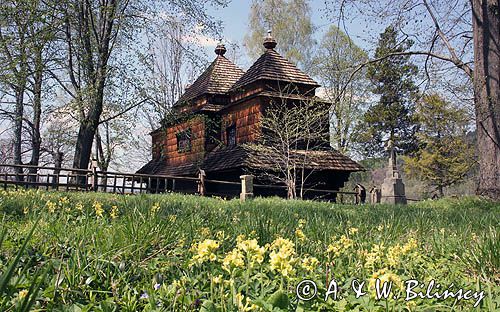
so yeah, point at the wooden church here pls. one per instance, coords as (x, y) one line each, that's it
(217, 121)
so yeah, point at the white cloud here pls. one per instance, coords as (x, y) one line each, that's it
(197, 37)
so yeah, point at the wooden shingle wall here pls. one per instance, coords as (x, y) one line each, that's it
(246, 117)
(157, 140)
(197, 151)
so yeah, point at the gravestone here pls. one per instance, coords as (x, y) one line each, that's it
(393, 188)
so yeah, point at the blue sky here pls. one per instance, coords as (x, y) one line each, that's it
(235, 24)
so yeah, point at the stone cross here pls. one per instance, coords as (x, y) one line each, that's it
(393, 188)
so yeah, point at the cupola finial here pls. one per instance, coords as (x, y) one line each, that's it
(220, 49)
(269, 42)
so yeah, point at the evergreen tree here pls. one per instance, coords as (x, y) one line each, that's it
(444, 156)
(392, 79)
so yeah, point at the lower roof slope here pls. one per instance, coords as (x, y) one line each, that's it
(253, 157)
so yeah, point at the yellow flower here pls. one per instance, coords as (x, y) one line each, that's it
(310, 263)
(410, 245)
(375, 255)
(300, 235)
(155, 208)
(254, 253)
(220, 235)
(282, 243)
(353, 231)
(240, 238)
(26, 210)
(172, 218)
(79, 207)
(217, 279)
(205, 232)
(114, 212)
(281, 257)
(338, 247)
(98, 209)
(64, 200)
(205, 251)
(233, 259)
(245, 304)
(51, 206)
(23, 293)
(302, 222)
(393, 255)
(385, 276)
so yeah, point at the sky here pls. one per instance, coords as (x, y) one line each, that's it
(234, 18)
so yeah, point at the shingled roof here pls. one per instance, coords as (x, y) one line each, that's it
(254, 157)
(272, 66)
(216, 79)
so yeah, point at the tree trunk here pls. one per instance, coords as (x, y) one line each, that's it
(36, 139)
(486, 28)
(18, 132)
(84, 143)
(88, 127)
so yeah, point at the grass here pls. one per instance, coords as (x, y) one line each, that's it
(172, 252)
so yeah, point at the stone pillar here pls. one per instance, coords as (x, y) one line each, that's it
(246, 187)
(201, 182)
(393, 188)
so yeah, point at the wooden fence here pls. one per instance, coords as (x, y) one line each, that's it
(86, 180)
(70, 179)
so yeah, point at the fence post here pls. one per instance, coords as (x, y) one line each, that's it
(95, 179)
(246, 187)
(201, 183)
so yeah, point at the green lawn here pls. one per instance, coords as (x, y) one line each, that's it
(102, 252)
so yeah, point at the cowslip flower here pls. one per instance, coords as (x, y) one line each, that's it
(385, 276)
(114, 212)
(253, 252)
(233, 259)
(51, 206)
(300, 235)
(98, 209)
(205, 251)
(155, 208)
(310, 264)
(79, 207)
(340, 246)
(282, 257)
(23, 293)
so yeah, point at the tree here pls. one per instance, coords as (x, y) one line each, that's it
(392, 79)
(447, 36)
(444, 156)
(290, 22)
(95, 32)
(26, 38)
(289, 130)
(336, 56)
(486, 27)
(14, 44)
(170, 64)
